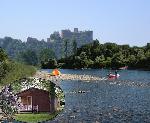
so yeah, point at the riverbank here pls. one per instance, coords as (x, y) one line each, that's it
(45, 75)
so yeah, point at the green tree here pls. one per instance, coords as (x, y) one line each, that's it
(66, 47)
(108, 62)
(76, 63)
(100, 61)
(147, 60)
(46, 54)
(3, 55)
(132, 60)
(148, 46)
(74, 46)
(4, 68)
(84, 60)
(28, 57)
(118, 60)
(50, 64)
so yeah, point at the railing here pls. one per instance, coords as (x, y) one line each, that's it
(25, 108)
(28, 108)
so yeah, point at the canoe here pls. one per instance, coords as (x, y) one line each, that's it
(113, 76)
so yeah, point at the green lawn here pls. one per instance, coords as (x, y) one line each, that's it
(34, 118)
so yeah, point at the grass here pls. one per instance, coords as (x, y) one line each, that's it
(34, 118)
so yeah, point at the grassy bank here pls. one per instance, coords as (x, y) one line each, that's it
(16, 71)
(34, 118)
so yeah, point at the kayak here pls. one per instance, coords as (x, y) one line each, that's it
(113, 76)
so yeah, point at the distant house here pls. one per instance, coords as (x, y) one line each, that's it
(34, 99)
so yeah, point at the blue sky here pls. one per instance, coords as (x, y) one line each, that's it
(119, 21)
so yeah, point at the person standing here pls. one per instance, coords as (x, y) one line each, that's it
(116, 73)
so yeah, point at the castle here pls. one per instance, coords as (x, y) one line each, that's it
(81, 37)
(57, 40)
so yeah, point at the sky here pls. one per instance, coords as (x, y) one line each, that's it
(118, 21)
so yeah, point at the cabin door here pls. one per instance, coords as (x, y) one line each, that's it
(29, 102)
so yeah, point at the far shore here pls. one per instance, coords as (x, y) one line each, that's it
(129, 68)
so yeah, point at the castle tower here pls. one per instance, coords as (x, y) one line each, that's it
(76, 30)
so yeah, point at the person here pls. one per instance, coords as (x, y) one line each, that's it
(116, 73)
(109, 73)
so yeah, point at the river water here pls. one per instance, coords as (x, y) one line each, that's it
(125, 100)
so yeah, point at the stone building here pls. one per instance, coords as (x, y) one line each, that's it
(80, 37)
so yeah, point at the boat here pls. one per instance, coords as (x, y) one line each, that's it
(123, 68)
(113, 76)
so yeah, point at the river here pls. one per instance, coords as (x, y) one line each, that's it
(125, 100)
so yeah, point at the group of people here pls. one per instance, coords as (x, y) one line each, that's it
(113, 75)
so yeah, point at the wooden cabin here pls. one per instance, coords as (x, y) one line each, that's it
(34, 99)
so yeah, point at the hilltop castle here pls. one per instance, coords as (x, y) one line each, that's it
(57, 40)
(81, 37)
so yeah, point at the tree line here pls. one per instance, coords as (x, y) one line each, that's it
(93, 55)
(108, 55)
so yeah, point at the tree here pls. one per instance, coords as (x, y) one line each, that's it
(55, 36)
(9, 103)
(3, 64)
(46, 54)
(3, 55)
(50, 64)
(84, 60)
(66, 47)
(110, 49)
(29, 57)
(108, 62)
(148, 46)
(132, 60)
(76, 62)
(74, 46)
(100, 61)
(147, 60)
(4, 69)
(118, 60)
(95, 43)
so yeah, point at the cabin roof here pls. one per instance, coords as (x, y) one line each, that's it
(32, 89)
